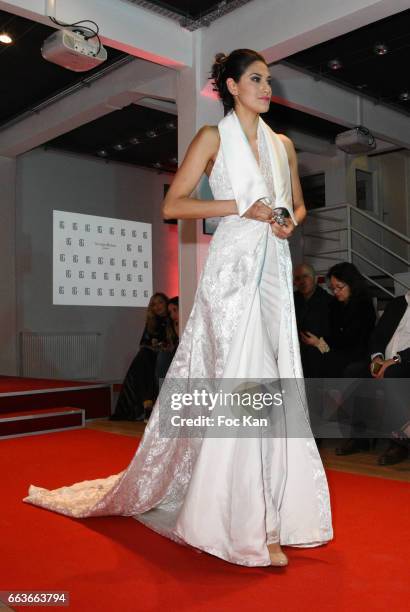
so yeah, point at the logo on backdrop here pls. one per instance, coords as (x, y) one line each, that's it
(98, 261)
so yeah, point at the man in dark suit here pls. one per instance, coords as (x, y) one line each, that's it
(389, 358)
(312, 315)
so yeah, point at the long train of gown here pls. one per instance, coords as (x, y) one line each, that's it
(233, 496)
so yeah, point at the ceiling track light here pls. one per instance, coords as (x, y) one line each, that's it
(335, 64)
(141, 140)
(380, 49)
(404, 96)
(5, 38)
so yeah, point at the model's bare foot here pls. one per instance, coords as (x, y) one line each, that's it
(277, 556)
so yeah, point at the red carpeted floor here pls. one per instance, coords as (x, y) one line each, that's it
(16, 384)
(115, 563)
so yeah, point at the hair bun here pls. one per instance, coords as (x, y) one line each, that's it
(220, 58)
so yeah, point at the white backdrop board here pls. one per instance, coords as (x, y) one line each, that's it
(99, 261)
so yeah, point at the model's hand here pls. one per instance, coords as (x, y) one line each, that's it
(283, 231)
(375, 369)
(259, 211)
(386, 364)
(308, 338)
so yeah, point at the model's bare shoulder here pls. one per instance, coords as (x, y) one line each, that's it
(287, 142)
(207, 141)
(208, 136)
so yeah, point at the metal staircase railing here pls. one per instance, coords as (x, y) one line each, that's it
(347, 230)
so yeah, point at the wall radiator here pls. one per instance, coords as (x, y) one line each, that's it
(72, 355)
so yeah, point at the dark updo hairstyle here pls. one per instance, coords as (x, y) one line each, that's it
(231, 66)
(347, 273)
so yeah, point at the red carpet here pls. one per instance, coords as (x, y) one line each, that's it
(31, 394)
(16, 384)
(115, 563)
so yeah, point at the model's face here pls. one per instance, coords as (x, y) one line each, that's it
(173, 312)
(253, 91)
(159, 306)
(340, 290)
(305, 283)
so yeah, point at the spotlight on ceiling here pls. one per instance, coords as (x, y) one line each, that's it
(157, 165)
(170, 125)
(361, 86)
(335, 64)
(119, 147)
(102, 153)
(5, 38)
(174, 161)
(134, 141)
(151, 133)
(380, 49)
(404, 96)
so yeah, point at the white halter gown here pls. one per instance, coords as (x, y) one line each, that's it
(233, 496)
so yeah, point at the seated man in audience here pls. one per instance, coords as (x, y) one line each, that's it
(312, 315)
(389, 357)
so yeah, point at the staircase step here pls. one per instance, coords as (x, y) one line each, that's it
(31, 422)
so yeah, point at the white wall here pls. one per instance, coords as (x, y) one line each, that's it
(392, 206)
(48, 180)
(334, 169)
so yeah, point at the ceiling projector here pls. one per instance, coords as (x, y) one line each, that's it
(357, 140)
(73, 50)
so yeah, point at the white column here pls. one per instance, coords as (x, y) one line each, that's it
(194, 110)
(8, 326)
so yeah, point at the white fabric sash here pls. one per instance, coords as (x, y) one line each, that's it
(244, 173)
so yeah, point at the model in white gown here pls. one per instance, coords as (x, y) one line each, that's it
(233, 496)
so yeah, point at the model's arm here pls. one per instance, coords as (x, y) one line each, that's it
(179, 205)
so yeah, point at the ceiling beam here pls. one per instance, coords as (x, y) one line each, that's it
(124, 26)
(165, 106)
(296, 89)
(279, 28)
(116, 90)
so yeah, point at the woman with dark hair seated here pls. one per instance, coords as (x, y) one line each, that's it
(166, 355)
(139, 389)
(352, 320)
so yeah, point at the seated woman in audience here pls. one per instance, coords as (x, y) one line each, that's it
(139, 389)
(352, 318)
(166, 354)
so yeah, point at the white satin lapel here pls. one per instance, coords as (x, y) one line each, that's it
(244, 173)
(280, 168)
